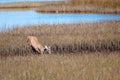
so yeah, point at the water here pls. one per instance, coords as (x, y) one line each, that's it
(8, 1)
(9, 19)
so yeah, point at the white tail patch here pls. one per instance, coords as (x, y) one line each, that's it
(48, 49)
(33, 41)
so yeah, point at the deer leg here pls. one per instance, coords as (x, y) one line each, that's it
(35, 49)
(40, 50)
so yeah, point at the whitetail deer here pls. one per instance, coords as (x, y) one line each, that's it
(34, 43)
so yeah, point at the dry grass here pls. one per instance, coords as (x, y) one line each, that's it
(68, 33)
(104, 65)
(74, 37)
(90, 66)
(25, 5)
(70, 6)
(83, 6)
(102, 3)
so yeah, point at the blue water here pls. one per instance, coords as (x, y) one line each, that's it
(9, 19)
(8, 1)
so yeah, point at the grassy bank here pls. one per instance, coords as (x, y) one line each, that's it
(83, 64)
(24, 5)
(84, 6)
(61, 67)
(100, 3)
(70, 6)
(64, 38)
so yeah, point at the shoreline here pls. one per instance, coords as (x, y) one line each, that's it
(58, 7)
(76, 12)
(60, 11)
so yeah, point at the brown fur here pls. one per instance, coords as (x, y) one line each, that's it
(33, 41)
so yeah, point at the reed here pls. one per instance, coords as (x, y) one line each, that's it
(68, 6)
(64, 38)
(102, 3)
(83, 6)
(86, 51)
(99, 46)
(61, 67)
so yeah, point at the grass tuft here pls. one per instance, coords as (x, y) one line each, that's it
(64, 38)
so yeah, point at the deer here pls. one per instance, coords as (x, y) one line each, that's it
(37, 46)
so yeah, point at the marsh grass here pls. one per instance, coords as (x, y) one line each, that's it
(64, 38)
(98, 46)
(102, 3)
(83, 6)
(61, 67)
(86, 51)
(67, 6)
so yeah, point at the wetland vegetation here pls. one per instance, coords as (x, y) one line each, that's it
(67, 6)
(64, 37)
(82, 51)
(90, 66)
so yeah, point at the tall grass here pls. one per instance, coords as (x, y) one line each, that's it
(103, 64)
(95, 66)
(68, 6)
(102, 3)
(101, 36)
(83, 6)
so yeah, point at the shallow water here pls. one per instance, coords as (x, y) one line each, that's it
(9, 19)
(8, 1)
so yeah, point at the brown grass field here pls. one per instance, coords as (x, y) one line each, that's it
(69, 6)
(83, 6)
(85, 51)
(67, 62)
(68, 38)
(94, 66)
